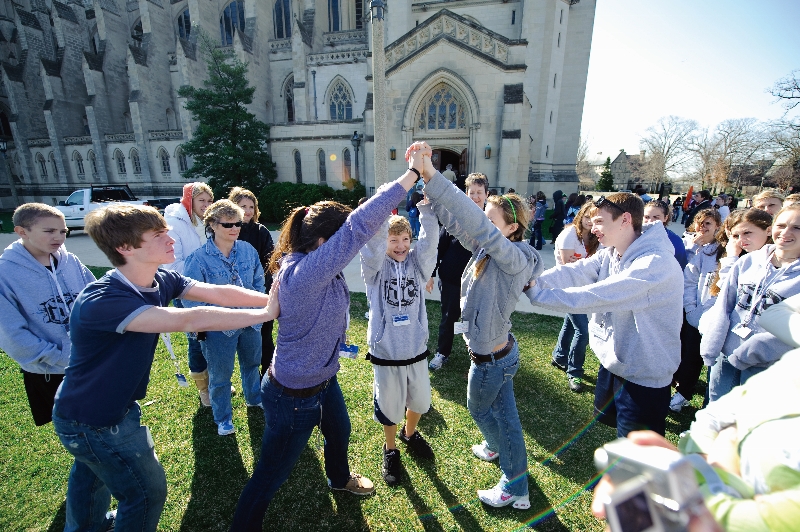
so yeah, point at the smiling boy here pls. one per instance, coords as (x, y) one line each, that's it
(39, 281)
(114, 326)
(634, 329)
(397, 333)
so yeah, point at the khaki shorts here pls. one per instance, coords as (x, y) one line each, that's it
(399, 387)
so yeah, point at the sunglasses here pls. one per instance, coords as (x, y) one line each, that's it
(602, 202)
(228, 225)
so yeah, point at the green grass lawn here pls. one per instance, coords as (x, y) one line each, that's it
(206, 473)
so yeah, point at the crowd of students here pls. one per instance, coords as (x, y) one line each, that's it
(618, 277)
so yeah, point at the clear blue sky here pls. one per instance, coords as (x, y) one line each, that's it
(707, 60)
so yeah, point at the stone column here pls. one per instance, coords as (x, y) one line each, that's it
(381, 153)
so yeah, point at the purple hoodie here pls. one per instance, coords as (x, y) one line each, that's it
(314, 297)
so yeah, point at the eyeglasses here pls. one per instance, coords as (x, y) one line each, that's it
(602, 202)
(228, 225)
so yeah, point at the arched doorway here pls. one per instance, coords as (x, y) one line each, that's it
(442, 157)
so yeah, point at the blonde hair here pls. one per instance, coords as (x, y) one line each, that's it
(239, 193)
(115, 226)
(399, 225)
(769, 193)
(221, 209)
(791, 199)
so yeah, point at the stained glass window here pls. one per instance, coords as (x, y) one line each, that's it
(341, 101)
(443, 109)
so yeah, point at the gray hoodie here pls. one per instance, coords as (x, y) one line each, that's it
(636, 318)
(380, 274)
(488, 301)
(697, 278)
(33, 318)
(752, 272)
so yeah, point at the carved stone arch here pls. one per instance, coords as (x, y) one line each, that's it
(420, 92)
(332, 91)
(287, 93)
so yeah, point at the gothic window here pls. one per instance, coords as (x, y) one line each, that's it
(42, 166)
(137, 33)
(298, 169)
(163, 156)
(79, 169)
(121, 170)
(5, 126)
(183, 164)
(359, 14)
(53, 165)
(283, 19)
(137, 163)
(347, 163)
(443, 109)
(231, 20)
(184, 25)
(288, 95)
(323, 173)
(341, 101)
(93, 163)
(334, 15)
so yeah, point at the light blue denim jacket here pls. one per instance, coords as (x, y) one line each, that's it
(241, 268)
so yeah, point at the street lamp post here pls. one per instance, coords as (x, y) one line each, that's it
(12, 185)
(381, 168)
(356, 141)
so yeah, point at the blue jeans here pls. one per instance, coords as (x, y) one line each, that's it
(118, 461)
(197, 362)
(570, 349)
(722, 379)
(219, 350)
(490, 400)
(537, 238)
(629, 406)
(414, 221)
(289, 423)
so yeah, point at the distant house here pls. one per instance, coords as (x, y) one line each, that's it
(627, 170)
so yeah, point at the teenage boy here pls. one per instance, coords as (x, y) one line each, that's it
(39, 281)
(704, 201)
(114, 327)
(397, 333)
(628, 287)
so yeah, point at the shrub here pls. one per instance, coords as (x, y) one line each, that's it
(277, 200)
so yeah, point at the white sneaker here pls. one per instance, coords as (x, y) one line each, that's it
(678, 402)
(366, 315)
(438, 361)
(498, 498)
(482, 451)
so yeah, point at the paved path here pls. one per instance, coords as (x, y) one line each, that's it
(84, 247)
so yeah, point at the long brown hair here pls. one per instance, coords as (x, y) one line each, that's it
(757, 217)
(590, 243)
(237, 194)
(305, 226)
(515, 210)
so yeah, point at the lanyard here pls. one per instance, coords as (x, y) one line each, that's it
(52, 272)
(757, 297)
(164, 336)
(399, 271)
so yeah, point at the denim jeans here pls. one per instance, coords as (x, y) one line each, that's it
(537, 238)
(118, 461)
(570, 349)
(289, 423)
(722, 379)
(629, 406)
(414, 221)
(219, 350)
(490, 400)
(197, 362)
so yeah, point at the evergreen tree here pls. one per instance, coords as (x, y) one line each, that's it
(606, 181)
(229, 146)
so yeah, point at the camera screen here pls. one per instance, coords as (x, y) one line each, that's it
(634, 513)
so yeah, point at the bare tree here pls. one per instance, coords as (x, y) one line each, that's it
(704, 146)
(740, 143)
(668, 145)
(787, 90)
(586, 175)
(784, 141)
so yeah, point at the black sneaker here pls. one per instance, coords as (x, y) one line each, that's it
(416, 444)
(391, 466)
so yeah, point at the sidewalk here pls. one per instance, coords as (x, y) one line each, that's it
(84, 247)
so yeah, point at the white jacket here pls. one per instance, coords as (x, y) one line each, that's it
(186, 238)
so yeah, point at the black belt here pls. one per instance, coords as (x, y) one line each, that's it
(301, 393)
(482, 359)
(384, 362)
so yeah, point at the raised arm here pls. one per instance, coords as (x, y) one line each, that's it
(424, 253)
(373, 254)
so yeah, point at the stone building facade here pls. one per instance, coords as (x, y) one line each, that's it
(89, 88)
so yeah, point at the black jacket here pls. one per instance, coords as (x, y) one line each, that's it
(259, 237)
(451, 259)
(705, 204)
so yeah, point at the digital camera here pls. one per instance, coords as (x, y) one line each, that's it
(655, 489)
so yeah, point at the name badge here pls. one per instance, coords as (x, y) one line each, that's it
(461, 327)
(401, 320)
(742, 331)
(348, 350)
(599, 331)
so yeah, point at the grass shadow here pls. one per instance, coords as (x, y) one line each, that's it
(59, 520)
(255, 425)
(219, 477)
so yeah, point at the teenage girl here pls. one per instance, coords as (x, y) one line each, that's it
(697, 278)
(300, 390)
(575, 242)
(735, 345)
(658, 211)
(502, 264)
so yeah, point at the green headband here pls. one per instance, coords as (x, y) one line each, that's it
(512, 207)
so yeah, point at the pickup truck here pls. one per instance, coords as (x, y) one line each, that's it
(81, 202)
